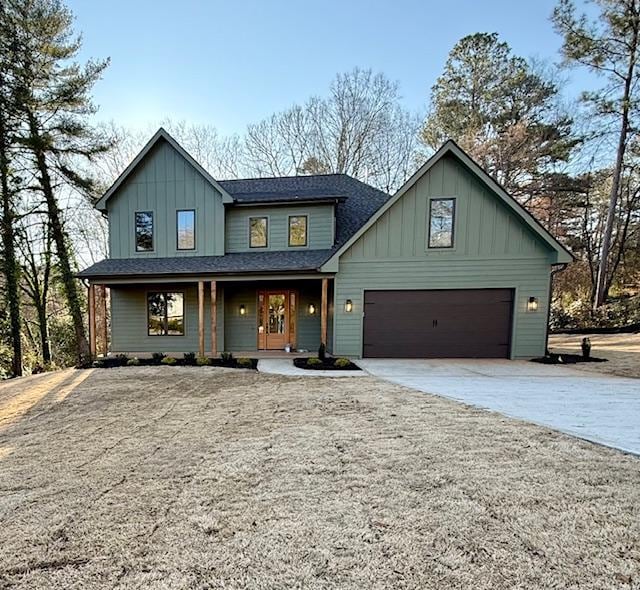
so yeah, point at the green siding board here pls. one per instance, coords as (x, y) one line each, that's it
(241, 331)
(163, 183)
(493, 249)
(319, 226)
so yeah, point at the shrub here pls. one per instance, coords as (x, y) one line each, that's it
(314, 362)
(5, 361)
(577, 314)
(120, 360)
(202, 361)
(227, 358)
(168, 360)
(98, 364)
(342, 363)
(157, 357)
(245, 363)
(62, 339)
(189, 358)
(322, 352)
(134, 362)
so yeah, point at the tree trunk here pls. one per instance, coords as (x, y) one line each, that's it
(10, 263)
(62, 249)
(602, 290)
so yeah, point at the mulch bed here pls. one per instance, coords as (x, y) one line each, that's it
(567, 359)
(327, 365)
(111, 362)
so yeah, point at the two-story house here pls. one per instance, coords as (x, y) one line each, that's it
(450, 266)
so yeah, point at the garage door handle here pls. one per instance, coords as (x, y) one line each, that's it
(435, 323)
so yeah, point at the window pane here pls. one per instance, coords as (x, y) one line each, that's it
(298, 230)
(258, 238)
(175, 314)
(144, 231)
(441, 223)
(165, 313)
(186, 230)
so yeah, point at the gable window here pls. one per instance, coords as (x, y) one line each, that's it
(144, 231)
(186, 229)
(165, 314)
(441, 222)
(258, 231)
(298, 230)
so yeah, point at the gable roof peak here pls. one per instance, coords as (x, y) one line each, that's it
(451, 147)
(160, 134)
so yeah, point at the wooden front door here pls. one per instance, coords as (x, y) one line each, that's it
(275, 319)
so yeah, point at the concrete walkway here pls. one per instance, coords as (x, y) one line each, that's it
(600, 408)
(286, 367)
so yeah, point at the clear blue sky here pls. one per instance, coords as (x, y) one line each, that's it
(230, 63)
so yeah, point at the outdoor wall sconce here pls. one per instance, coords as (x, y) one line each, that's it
(312, 309)
(243, 309)
(348, 306)
(532, 304)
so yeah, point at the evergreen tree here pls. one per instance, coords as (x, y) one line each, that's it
(53, 97)
(503, 112)
(609, 47)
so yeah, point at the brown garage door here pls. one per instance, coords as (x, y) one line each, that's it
(460, 323)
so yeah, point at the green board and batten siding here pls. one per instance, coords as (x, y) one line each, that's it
(320, 227)
(493, 249)
(129, 320)
(165, 182)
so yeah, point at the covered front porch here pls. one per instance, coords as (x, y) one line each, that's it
(257, 316)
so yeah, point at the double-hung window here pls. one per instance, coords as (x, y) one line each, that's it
(258, 232)
(297, 230)
(144, 231)
(186, 229)
(441, 223)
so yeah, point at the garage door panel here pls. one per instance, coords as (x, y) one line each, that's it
(438, 323)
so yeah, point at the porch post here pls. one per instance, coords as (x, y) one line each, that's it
(104, 336)
(201, 318)
(323, 312)
(214, 319)
(92, 320)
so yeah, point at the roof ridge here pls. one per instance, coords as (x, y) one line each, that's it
(288, 177)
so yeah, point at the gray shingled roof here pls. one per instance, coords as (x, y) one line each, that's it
(356, 203)
(234, 263)
(360, 202)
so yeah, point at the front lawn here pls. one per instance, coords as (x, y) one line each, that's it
(197, 477)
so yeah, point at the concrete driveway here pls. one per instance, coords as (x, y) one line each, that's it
(601, 408)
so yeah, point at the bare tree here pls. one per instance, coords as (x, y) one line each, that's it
(359, 129)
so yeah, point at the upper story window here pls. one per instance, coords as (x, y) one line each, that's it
(441, 222)
(144, 231)
(186, 229)
(165, 314)
(297, 230)
(258, 232)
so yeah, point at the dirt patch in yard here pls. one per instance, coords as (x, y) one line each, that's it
(621, 350)
(194, 478)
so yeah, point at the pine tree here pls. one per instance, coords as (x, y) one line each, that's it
(53, 93)
(503, 112)
(609, 47)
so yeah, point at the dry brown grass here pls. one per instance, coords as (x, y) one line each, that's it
(176, 478)
(621, 350)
